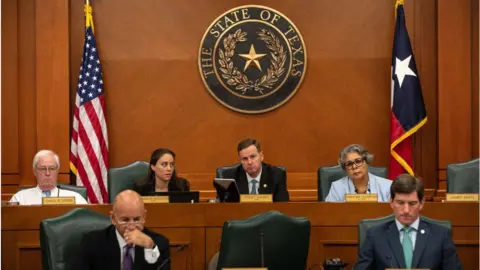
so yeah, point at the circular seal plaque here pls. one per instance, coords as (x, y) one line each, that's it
(252, 59)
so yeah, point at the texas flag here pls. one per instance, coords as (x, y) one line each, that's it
(408, 110)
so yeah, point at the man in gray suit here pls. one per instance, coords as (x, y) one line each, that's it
(409, 241)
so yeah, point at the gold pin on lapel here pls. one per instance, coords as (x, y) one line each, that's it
(264, 185)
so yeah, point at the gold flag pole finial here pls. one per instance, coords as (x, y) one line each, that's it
(88, 15)
(398, 3)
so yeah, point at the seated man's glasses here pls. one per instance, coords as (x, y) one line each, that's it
(45, 170)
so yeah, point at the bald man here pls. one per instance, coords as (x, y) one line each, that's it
(126, 244)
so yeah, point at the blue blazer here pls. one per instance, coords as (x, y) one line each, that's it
(434, 249)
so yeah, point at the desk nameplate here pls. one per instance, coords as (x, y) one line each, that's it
(407, 268)
(245, 268)
(462, 197)
(155, 199)
(255, 198)
(58, 200)
(370, 197)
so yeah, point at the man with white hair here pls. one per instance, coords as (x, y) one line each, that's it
(45, 168)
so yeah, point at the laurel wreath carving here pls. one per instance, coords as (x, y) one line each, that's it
(236, 78)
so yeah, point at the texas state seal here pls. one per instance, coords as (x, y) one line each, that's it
(252, 59)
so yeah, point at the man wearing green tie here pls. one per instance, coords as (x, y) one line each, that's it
(409, 241)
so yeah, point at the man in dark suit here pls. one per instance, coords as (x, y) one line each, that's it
(409, 241)
(256, 177)
(126, 244)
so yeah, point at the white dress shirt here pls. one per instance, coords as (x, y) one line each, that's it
(250, 183)
(33, 196)
(412, 233)
(151, 255)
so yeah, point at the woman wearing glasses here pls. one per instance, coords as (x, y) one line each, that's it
(162, 176)
(354, 160)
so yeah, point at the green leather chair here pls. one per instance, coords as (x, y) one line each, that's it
(222, 170)
(60, 237)
(80, 190)
(120, 179)
(327, 175)
(463, 177)
(285, 242)
(366, 224)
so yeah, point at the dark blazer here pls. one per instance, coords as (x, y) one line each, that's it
(100, 251)
(273, 181)
(434, 249)
(179, 184)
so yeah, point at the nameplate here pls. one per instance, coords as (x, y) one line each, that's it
(370, 197)
(58, 200)
(155, 199)
(253, 198)
(462, 197)
(245, 268)
(407, 268)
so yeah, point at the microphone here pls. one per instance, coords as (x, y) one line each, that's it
(261, 249)
(179, 248)
(58, 192)
(389, 258)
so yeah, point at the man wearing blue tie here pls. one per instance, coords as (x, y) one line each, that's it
(46, 165)
(409, 241)
(256, 177)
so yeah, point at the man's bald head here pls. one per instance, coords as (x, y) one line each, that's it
(128, 198)
(128, 207)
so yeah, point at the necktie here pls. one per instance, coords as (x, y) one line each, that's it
(47, 193)
(407, 246)
(127, 258)
(254, 187)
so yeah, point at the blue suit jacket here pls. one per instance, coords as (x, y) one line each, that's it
(434, 249)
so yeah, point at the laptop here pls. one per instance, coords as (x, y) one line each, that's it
(227, 190)
(180, 196)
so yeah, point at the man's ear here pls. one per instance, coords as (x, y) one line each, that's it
(261, 156)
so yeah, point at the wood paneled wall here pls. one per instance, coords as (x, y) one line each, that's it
(155, 97)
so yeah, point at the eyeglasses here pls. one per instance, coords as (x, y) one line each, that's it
(135, 221)
(44, 170)
(357, 162)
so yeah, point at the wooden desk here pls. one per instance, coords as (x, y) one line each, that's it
(199, 226)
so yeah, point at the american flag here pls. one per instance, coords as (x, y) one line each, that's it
(89, 146)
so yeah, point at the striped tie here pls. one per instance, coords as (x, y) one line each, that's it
(407, 246)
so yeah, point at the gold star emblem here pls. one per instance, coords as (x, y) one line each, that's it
(252, 58)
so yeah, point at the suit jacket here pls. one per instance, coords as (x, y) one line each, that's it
(434, 249)
(100, 251)
(273, 181)
(179, 184)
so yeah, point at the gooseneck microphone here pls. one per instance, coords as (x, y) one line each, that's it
(58, 192)
(261, 249)
(179, 248)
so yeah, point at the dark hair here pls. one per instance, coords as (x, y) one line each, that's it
(156, 155)
(406, 184)
(247, 142)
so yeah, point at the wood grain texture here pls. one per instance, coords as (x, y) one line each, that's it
(9, 87)
(454, 82)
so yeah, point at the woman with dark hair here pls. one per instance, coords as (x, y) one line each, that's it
(162, 175)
